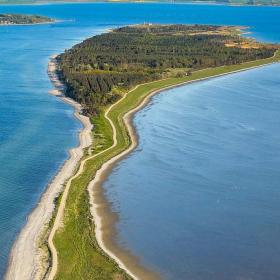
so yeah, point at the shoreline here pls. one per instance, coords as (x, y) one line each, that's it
(30, 24)
(24, 258)
(25, 261)
(100, 208)
(201, 3)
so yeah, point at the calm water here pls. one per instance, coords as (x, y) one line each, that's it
(209, 150)
(199, 198)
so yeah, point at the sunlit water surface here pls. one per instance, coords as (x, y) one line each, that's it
(198, 199)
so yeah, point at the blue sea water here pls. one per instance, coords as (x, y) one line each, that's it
(209, 151)
(199, 197)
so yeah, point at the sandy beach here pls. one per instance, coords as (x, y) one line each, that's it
(25, 261)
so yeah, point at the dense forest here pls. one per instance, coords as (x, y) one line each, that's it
(96, 70)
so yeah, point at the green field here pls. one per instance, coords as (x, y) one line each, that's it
(78, 252)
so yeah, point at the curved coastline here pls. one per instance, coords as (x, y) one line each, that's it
(101, 208)
(25, 260)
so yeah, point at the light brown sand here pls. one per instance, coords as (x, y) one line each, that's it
(25, 259)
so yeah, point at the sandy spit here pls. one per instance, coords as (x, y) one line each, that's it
(25, 261)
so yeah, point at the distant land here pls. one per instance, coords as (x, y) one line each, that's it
(13, 19)
(229, 2)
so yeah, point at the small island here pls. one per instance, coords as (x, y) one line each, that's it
(19, 19)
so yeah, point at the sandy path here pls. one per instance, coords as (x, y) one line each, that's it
(59, 216)
(25, 259)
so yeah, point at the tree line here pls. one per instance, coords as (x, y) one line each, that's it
(98, 68)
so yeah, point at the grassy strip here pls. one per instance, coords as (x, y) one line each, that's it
(78, 252)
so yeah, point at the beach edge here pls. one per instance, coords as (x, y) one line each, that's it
(25, 259)
(98, 202)
(18, 253)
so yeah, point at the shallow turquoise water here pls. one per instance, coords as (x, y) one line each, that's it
(36, 131)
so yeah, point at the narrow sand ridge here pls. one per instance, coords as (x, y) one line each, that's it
(59, 216)
(25, 257)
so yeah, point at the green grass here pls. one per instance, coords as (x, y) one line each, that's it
(78, 252)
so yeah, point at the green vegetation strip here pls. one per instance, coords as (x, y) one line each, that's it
(78, 252)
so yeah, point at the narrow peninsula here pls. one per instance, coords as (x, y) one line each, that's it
(19, 19)
(112, 76)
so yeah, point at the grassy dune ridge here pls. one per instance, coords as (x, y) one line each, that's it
(79, 255)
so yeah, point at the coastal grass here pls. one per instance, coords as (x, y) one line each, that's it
(79, 255)
(102, 133)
